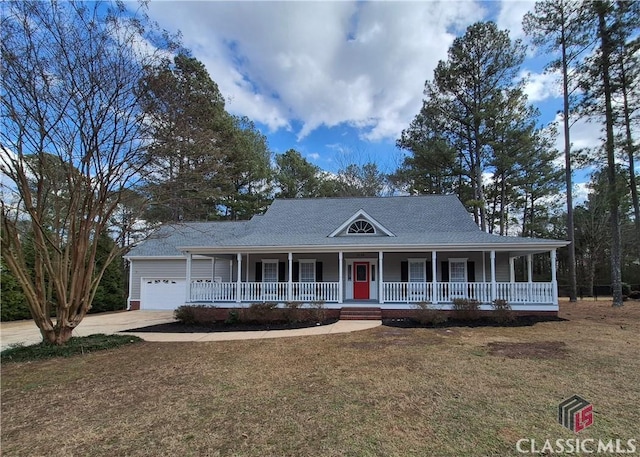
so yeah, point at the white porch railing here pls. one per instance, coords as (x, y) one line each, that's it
(213, 291)
(446, 292)
(264, 291)
(315, 291)
(394, 292)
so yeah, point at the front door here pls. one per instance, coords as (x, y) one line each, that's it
(361, 282)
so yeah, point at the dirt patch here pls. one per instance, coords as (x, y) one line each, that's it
(532, 350)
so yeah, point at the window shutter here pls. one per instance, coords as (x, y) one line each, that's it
(471, 272)
(445, 271)
(281, 271)
(429, 272)
(296, 271)
(318, 271)
(258, 271)
(404, 271)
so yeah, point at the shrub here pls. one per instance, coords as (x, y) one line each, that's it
(317, 311)
(261, 313)
(233, 317)
(465, 309)
(502, 311)
(292, 312)
(426, 314)
(185, 314)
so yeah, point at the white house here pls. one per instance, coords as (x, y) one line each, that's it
(387, 252)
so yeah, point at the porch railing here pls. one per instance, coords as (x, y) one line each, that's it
(393, 292)
(446, 292)
(264, 291)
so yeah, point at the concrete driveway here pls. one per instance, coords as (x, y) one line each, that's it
(26, 332)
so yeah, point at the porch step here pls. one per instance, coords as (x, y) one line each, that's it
(361, 314)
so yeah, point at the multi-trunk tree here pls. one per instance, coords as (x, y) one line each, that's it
(72, 140)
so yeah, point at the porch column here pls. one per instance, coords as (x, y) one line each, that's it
(340, 274)
(554, 280)
(213, 269)
(290, 284)
(530, 268)
(434, 278)
(188, 288)
(238, 285)
(512, 269)
(380, 278)
(493, 276)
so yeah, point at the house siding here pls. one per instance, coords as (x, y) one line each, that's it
(174, 269)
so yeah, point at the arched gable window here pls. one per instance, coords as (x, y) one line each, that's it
(360, 227)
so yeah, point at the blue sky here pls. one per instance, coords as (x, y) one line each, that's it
(338, 81)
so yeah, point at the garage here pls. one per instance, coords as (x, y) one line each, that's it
(162, 293)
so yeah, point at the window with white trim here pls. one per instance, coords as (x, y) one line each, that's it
(417, 270)
(307, 271)
(361, 227)
(457, 270)
(269, 271)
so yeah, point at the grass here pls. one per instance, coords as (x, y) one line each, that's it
(75, 346)
(455, 391)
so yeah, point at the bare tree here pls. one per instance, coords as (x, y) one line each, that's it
(70, 146)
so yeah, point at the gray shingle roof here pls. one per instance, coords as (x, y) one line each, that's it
(418, 220)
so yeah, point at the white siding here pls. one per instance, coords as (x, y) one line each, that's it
(176, 269)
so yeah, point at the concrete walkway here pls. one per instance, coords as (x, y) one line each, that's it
(26, 332)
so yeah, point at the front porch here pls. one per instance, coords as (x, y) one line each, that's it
(394, 280)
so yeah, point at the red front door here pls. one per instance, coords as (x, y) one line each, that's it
(361, 281)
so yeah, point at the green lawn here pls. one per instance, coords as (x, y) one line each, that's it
(381, 392)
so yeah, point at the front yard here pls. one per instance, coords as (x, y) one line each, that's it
(454, 391)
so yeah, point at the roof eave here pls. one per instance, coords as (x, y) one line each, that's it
(503, 247)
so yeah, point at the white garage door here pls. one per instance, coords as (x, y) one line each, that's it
(162, 293)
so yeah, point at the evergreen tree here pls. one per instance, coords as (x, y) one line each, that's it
(561, 28)
(187, 172)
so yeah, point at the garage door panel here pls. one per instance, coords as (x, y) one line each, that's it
(162, 293)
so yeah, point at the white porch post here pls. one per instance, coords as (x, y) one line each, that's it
(380, 278)
(530, 268)
(554, 280)
(493, 275)
(484, 267)
(340, 274)
(290, 281)
(213, 269)
(434, 278)
(238, 285)
(188, 288)
(512, 269)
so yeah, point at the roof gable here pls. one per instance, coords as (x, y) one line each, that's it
(360, 215)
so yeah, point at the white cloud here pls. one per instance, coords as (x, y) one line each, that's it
(321, 63)
(511, 14)
(542, 86)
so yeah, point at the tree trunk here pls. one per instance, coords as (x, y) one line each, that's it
(57, 335)
(613, 194)
(568, 177)
(630, 152)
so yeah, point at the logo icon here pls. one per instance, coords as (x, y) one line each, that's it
(575, 413)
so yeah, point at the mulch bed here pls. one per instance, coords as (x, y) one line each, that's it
(177, 327)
